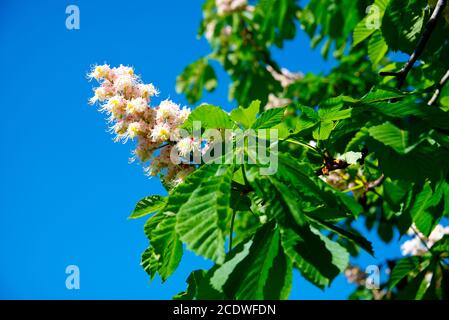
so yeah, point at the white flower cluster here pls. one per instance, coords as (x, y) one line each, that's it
(229, 6)
(225, 32)
(420, 244)
(125, 99)
(285, 77)
(276, 102)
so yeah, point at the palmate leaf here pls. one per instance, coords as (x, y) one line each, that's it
(148, 205)
(318, 258)
(402, 24)
(269, 118)
(167, 246)
(403, 268)
(357, 140)
(160, 228)
(203, 213)
(416, 287)
(357, 239)
(377, 47)
(277, 20)
(334, 113)
(195, 77)
(323, 131)
(311, 189)
(150, 262)
(286, 191)
(416, 161)
(288, 200)
(210, 117)
(220, 274)
(265, 272)
(427, 208)
(368, 25)
(246, 116)
(392, 136)
(379, 94)
(433, 117)
(193, 282)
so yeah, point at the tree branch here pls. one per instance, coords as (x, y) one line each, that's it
(401, 75)
(373, 184)
(438, 89)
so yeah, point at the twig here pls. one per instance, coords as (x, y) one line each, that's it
(373, 184)
(162, 146)
(420, 238)
(305, 145)
(401, 75)
(438, 89)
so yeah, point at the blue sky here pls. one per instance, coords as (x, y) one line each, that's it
(66, 189)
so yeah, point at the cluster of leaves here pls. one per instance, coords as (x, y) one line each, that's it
(258, 228)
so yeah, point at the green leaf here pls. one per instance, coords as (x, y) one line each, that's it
(415, 288)
(254, 277)
(246, 116)
(194, 78)
(318, 258)
(357, 139)
(425, 211)
(334, 114)
(210, 117)
(150, 262)
(350, 203)
(221, 274)
(289, 199)
(377, 48)
(361, 32)
(379, 94)
(167, 246)
(357, 239)
(280, 278)
(392, 136)
(402, 269)
(148, 205)
(203, 213)
(402, 24)
(193, 285)
(160, 228)
(422, 201)
(368, 25)
(323, 131)
(442, 245)
(269, 118)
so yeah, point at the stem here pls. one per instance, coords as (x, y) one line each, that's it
(359, 186)
(438, 89)
(303, 145)
(420, 238)
(161, 146)
(401, 75)
(373, 184)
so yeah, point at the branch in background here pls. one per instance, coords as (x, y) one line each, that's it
(401, 75)
(438, 89)
(373, 184)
